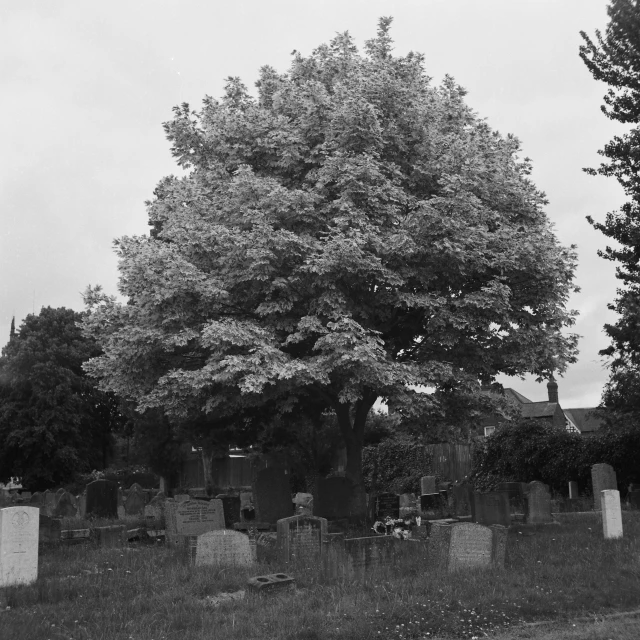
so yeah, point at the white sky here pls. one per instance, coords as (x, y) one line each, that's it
(85, 87)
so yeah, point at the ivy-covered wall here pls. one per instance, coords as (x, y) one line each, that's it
(395, 465)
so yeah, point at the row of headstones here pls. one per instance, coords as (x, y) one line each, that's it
(304, 541)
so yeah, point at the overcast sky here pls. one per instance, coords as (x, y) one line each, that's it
(86, 86)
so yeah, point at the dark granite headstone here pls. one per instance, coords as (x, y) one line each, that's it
(492, 508)
(102, 499)
(334, 498)
(231, 507)
(573, 490)
(387, 504)
(462, 498)
(430, 502)
(272, 494)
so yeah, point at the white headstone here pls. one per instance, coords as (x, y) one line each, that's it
(19, 545)
(223, 547)
(611, 514)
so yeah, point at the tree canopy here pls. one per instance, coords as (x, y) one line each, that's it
(614, 58)
(350, 233)
(54, 422)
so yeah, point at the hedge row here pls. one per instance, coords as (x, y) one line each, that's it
(527, 451)
(395, 465)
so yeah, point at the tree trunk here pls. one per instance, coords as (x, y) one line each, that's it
(352, 430)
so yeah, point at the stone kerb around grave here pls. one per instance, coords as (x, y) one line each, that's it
(19, 532)
(299, 538)
(603, 477)
(223, 547)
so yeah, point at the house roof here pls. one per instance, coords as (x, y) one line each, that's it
(512, 394)
(584, 419)
(539, 409)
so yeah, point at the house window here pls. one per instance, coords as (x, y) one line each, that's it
(489, 430)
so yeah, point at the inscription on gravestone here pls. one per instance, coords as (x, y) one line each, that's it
(387, 504)
(470, 546)
(197, 517)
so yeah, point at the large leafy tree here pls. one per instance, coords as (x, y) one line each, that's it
(54, 422)
(351, 233)
(614, 58)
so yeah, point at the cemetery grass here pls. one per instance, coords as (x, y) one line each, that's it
(150, 592)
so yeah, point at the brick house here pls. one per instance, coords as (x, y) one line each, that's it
(579, 420)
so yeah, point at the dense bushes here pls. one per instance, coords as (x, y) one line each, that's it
(396, 465)
(529, 451)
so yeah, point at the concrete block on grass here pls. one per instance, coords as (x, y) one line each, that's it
(270, 583)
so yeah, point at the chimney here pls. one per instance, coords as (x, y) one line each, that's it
(552, 388)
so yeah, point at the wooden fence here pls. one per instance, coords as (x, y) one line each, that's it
(450, 462)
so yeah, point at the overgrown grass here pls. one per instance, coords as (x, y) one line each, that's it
(147, 592)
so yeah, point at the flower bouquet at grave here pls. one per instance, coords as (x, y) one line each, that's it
(398, 528)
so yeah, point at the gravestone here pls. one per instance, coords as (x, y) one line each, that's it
(431, 502)
(113, 536)
(18, 545)
(387, 505)
(272, 494)
(135, 501)
(334, 498)
(37, 500)
(170, 526)
(355, 558)
(49, 503)
(66, 506)
(223, 547)
(492, 508)
(196, 517)
(466, 545)
(407, 501)
(603, 477)
(182, 497)
(462, 498)
(303, 504)
(231, 509)
(82, 505)
(154, 512)
(102, 499)
(49, 530)
(300, 538)
(573, 490)
(428, 485)
(634, 499)
(611, 514)
(538, 503)
(59, 492)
